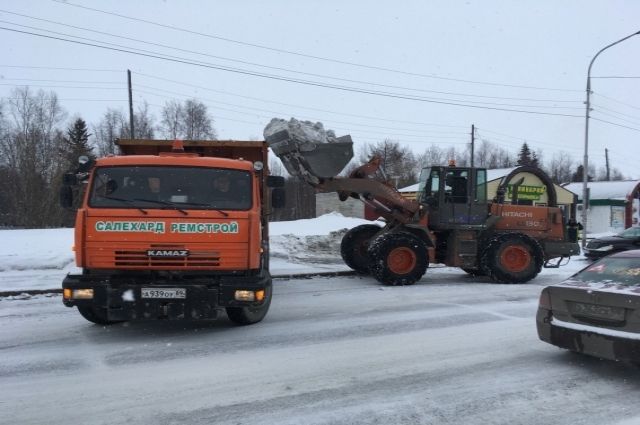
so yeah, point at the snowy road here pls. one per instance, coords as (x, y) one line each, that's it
(451, 349)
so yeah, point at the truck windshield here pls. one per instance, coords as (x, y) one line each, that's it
(159, 187)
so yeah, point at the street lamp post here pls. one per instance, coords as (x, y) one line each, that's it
(585, 164)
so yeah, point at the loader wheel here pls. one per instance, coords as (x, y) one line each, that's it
(512, 258)
(250, 315)
(354, 245)
(96, 315)
(398, 258)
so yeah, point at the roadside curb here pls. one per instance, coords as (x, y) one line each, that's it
(279, 276)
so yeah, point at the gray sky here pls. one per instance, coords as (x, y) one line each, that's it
(515, 55)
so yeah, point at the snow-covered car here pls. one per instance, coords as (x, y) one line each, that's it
(600, 247)
(597, 310)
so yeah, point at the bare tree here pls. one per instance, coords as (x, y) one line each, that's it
(190, 121)
(198, 125)
(433, 155)
(143, 121)
(561, 167)
(399, 162)
(171, 122)
(111, 126)
(30, 151)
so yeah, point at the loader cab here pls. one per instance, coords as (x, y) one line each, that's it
(454, 195)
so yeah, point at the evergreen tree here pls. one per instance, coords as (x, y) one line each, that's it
(535, 162)
(524, 157)
(76, 143)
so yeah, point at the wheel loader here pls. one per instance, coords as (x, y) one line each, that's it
(451, 222)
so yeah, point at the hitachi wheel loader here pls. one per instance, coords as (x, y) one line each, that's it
(451, 222)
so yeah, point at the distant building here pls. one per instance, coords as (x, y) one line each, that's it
(613, 206)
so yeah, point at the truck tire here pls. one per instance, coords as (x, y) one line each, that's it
(398, 258)
(250, 315)
(512, 258)
(96, 315)
(354, 245)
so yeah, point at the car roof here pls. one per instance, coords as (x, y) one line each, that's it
(634, 253)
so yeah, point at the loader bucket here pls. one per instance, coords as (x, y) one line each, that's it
(309, 159)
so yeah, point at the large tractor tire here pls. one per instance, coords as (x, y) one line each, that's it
(354, 245)
(512, 258)
(96, 315)
(250, 315)
(398, 258)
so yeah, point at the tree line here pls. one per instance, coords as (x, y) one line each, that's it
(40, 141)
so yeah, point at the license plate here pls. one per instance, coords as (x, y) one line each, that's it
(164, 293)
(598, 311)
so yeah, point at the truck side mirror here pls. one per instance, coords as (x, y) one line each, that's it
(66, 197)
(275, 181)
(69, 179)
(278, 198)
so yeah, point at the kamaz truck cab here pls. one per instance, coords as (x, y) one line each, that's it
(174, 231)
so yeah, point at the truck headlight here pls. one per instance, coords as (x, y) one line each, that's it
(243, 295)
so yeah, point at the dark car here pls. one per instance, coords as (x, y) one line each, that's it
(597, 310)
(628, 239)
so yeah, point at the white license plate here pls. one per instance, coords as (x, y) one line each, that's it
(164, 293)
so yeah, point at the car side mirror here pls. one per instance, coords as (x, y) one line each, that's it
(66, 197)
(275, 181)
(278, 198)
(69, 179)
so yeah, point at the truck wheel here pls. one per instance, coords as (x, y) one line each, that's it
(96, 315)
(250, 315)
(398, 258)
(512, 258)
(353, 247)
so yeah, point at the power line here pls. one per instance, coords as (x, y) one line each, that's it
(617, 117)
(300, 106)
(617, 125)
(245, 108)
(175, 28)
(267, 66)
(55, 86)
(60, 68)
(616, 101)
(291, 80)
(61, 81)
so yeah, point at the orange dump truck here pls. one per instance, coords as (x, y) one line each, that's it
(173, 231)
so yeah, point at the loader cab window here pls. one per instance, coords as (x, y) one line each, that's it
(429, 187)
(456, 186)
(481, 186)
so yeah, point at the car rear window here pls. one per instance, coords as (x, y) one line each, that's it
(619, 270)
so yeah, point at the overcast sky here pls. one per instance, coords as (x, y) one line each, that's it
(419, 72)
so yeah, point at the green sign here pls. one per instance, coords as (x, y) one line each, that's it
(532, 193)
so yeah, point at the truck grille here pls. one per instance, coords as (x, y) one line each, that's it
(139, 258)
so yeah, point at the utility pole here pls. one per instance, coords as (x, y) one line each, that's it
(473, 139)
(130, 105)
(585, 164)
(606, 156)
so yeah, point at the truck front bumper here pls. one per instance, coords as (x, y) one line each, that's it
(121, 297)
